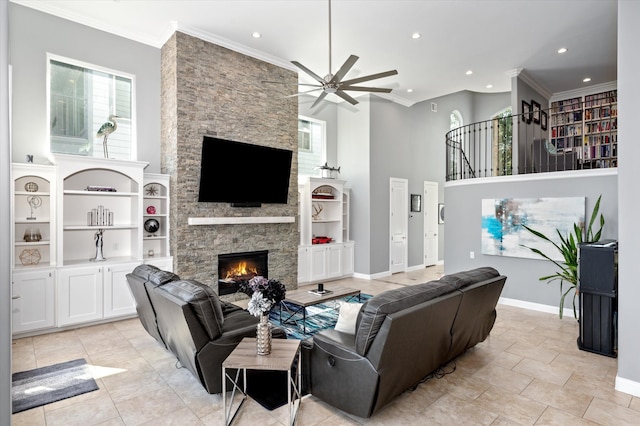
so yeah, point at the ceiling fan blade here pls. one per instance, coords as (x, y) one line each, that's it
(308, 71)
(366, 89)
(344, 69)
(369, 77)
(320, 98)
(346, 97)
(292, 84)
(303, 93)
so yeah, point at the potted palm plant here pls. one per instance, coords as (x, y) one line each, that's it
(568, 247)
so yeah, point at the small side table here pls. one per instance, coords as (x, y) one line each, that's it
(244, 357)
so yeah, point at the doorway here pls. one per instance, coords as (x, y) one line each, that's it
(398, 224)
(430, 197)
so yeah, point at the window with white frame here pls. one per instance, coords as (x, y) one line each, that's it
(82, 98)
(455, 122)
(311, 146)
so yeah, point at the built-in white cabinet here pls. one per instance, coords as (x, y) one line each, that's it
(33, 299)
(304, 264)
(95, 292)
(79, 226)
(79, 294)
(325, 251)
(347, 252)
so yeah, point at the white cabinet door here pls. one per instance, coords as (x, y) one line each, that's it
(304, 265)
(334, 261)
(118, 300)
(347, 258)
(318, 263)
(33, 304)
(80, 294)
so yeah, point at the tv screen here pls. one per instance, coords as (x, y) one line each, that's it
(242, 173)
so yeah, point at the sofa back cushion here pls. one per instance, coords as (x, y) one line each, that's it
(203, 301)
(465, 278)
(162, 277)
(376, 309)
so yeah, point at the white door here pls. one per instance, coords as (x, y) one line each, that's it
(398, 224)
(430, 197)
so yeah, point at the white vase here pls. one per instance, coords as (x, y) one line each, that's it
(263, 336)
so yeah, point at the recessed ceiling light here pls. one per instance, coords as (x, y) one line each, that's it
(489, 86)
(409, 90)
(416, 35)
(562, 50)
(469, 72)
(256, 35)
(586, 79)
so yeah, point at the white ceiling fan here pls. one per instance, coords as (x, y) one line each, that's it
(333, 83)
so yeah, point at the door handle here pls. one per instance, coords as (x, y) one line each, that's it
(15, 298)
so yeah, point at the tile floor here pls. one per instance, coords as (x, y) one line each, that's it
(528, 372)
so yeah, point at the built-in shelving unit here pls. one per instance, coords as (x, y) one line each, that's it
(155, 221)
(33, 216)
(325, 251)
(588, 126)
(64, 215)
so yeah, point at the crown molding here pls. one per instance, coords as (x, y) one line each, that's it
(589, 90)
(236, 47)
(523, 75)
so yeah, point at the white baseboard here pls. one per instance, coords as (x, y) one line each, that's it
(566, 313)
(627, 386)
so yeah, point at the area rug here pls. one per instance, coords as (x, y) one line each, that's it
(319, 317)
(45, 385)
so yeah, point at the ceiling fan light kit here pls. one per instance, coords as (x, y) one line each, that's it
(333, 83)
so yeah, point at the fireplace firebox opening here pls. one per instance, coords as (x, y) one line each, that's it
(234, 268)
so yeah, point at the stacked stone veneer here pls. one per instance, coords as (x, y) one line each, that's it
(211, 90)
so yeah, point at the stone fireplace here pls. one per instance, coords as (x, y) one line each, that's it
(210, 90)
(234, 268)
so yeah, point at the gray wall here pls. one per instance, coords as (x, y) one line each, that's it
(5, 223)
(32, 35)
(379, 139)
(629, 176)
(526, 132)
(463, 200)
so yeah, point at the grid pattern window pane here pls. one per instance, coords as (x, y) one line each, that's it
(82, 100)
(311, 147)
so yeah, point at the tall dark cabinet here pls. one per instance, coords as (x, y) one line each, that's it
(598, 290)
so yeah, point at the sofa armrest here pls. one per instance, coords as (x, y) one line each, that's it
(341, 377)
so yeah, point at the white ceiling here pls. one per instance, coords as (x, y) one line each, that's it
(494, 38)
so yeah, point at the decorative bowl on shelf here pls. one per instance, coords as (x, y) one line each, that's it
(31, 187)
(151, 210)
(151, 226)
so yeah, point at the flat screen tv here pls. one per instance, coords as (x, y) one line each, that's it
(243, 174)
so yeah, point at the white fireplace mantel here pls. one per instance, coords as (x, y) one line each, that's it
(240, 220)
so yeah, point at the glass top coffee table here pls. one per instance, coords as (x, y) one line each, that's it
(301, 299)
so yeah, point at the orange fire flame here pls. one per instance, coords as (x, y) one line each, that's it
(241, 270)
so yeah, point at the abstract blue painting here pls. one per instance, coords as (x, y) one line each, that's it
(502, 220)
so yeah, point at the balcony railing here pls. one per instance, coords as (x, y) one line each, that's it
(544, 141)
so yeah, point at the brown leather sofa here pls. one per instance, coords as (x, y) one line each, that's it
(189, 319)
(403, 335)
